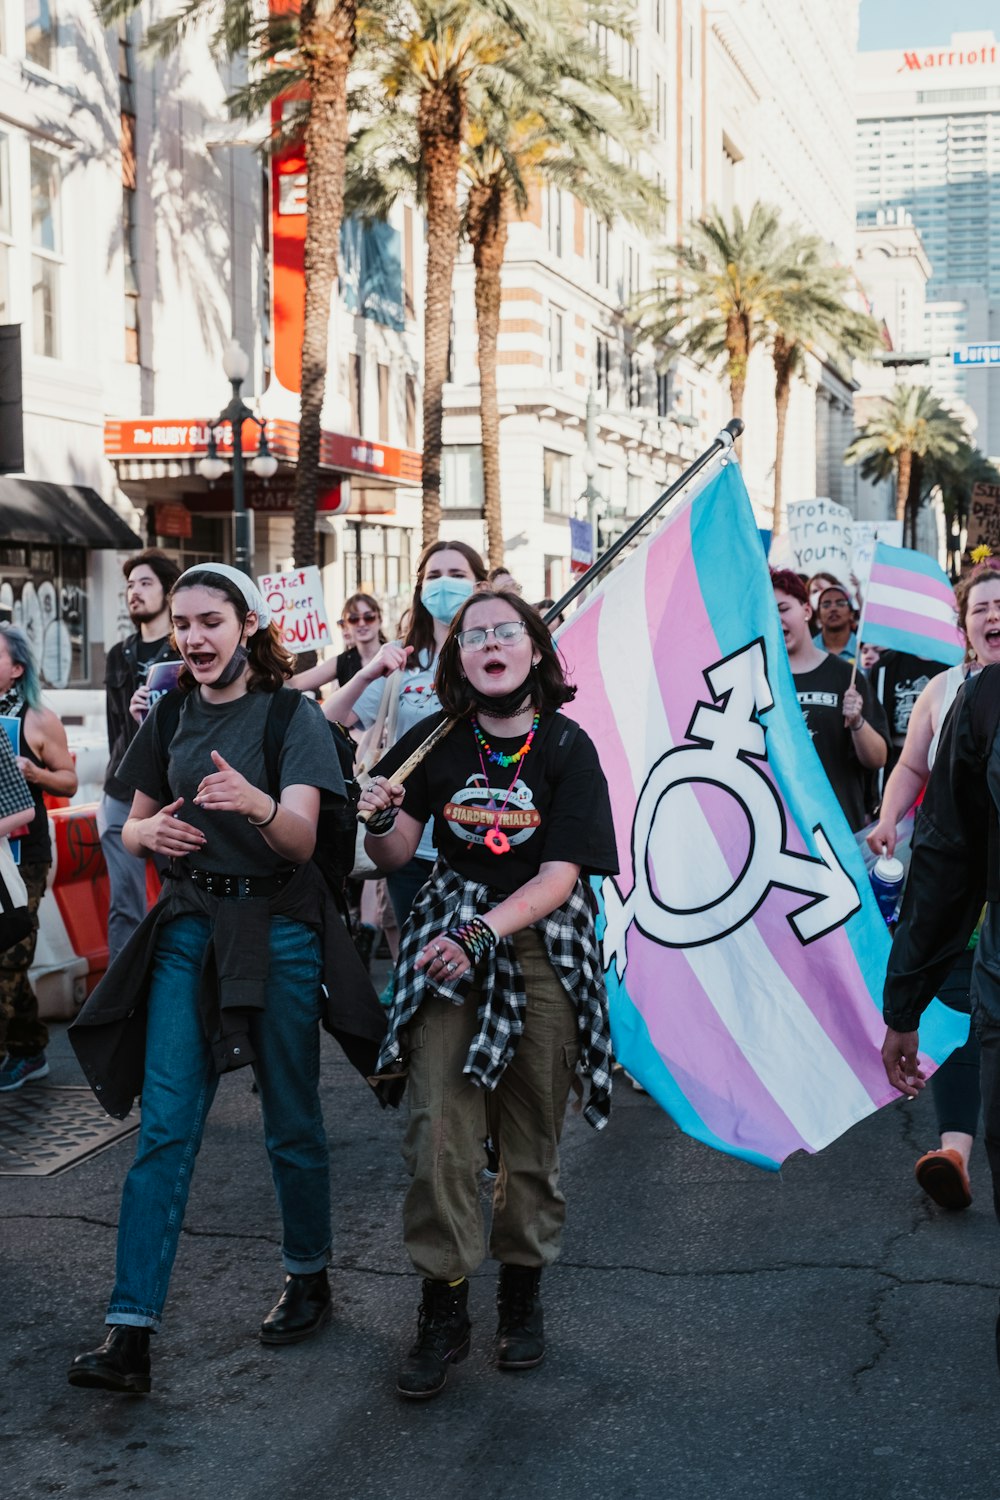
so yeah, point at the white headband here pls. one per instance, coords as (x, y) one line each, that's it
(254, 598)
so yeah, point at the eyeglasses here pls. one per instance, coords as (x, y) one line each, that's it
(505, 635)
(833, 604)
(368, 619)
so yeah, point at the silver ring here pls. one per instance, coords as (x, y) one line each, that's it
(438, 949)
(449, 967)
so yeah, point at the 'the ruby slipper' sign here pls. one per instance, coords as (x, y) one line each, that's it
(297, 608)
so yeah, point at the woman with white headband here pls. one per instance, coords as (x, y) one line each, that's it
(229, 967)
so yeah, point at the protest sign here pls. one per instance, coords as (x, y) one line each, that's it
(864, 535)
(297, 608)
(984, 522)
(819, 534)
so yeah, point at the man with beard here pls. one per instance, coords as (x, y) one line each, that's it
(149, 577)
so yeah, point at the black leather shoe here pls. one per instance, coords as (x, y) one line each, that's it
(443, 1339)
(303, 1307)
(120, 1364)
(520, 1340)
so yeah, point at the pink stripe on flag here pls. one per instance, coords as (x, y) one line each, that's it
(915, 583)
(685, 1030)
(682, 685)
(916, 624)
(583, 669)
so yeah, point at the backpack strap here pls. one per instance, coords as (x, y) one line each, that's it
(166, 717)
(984, 695)
(280, 713)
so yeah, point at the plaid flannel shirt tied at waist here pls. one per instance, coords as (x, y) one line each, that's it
(448, 900)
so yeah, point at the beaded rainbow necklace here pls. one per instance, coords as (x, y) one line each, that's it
(497, 756)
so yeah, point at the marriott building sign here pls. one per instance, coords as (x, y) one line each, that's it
(919, 62)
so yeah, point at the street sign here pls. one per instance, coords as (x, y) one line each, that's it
(976, 354)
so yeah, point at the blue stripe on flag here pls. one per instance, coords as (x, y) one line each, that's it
(926, 646)
(633, 1048)
(796, 765)
(909, 560)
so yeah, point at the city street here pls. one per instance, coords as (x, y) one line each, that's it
(714, 1331)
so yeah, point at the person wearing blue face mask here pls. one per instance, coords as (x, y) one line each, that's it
(447, 573)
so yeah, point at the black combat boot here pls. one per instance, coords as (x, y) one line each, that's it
(120, 1364)
(520, 1340)
(303, 1307)
(443, 1339)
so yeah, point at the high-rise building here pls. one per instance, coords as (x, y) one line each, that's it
(928, 143)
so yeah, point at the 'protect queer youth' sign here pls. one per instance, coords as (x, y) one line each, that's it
(298, 610)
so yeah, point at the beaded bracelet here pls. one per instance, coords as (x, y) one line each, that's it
(476, 939)
(382, 822)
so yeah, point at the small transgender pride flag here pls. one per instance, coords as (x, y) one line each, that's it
(910, 606)
(743, 951)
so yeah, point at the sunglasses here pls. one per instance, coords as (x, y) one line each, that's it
(505, 635)
(833, 604)
(368, 619)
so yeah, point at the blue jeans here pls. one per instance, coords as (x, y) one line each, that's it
(177, 1093)
(404, 885)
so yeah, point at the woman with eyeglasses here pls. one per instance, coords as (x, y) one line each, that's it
(499, 991)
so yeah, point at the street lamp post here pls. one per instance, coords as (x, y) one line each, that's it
(592, 494)
(236, 364)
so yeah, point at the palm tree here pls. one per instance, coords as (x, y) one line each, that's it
(716, 294)
(811, 313)
(308, 52)
(427, 55)
(556, 131)
(910, 428)
(955, 476)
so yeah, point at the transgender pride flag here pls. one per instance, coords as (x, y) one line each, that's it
(910, 606)
(743, 950)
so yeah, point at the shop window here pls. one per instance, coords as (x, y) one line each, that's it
(462, 477)
(377, 559)
(43, 589)
(40, 33)
(46, 257)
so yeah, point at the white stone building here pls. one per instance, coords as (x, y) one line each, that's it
(750, 99)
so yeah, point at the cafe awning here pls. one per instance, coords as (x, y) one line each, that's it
(32, 510)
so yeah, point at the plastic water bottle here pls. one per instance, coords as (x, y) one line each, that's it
(887, 883)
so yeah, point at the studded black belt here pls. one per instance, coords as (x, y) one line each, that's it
(239, 887)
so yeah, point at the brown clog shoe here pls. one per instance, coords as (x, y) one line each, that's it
(943, 1177)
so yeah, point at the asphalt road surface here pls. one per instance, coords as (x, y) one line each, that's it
(714, 1331)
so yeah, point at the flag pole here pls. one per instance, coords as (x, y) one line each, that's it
(722, 444)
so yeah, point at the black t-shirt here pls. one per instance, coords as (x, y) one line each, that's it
(821, 696)
(558, 807)
(898, 680)
(348, 665)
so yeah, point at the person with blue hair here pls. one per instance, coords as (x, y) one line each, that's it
(45, 762)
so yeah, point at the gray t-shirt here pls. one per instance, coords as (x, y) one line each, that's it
(236, 731)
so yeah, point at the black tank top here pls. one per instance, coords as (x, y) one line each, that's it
(36, 846)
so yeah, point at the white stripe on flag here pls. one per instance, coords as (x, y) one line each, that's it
(782, 1041)
(912, 601)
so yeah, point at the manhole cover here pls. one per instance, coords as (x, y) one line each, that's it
(44, 1130)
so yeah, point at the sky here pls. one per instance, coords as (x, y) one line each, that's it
(922, 23)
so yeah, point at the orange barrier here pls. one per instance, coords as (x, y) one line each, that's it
(80, 886)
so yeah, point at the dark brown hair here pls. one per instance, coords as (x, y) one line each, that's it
(271, 664)
(163, 566)
(549, 688)
(420, 634)
(981, 573)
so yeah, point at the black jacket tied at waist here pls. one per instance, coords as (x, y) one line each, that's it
(109, 1035)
